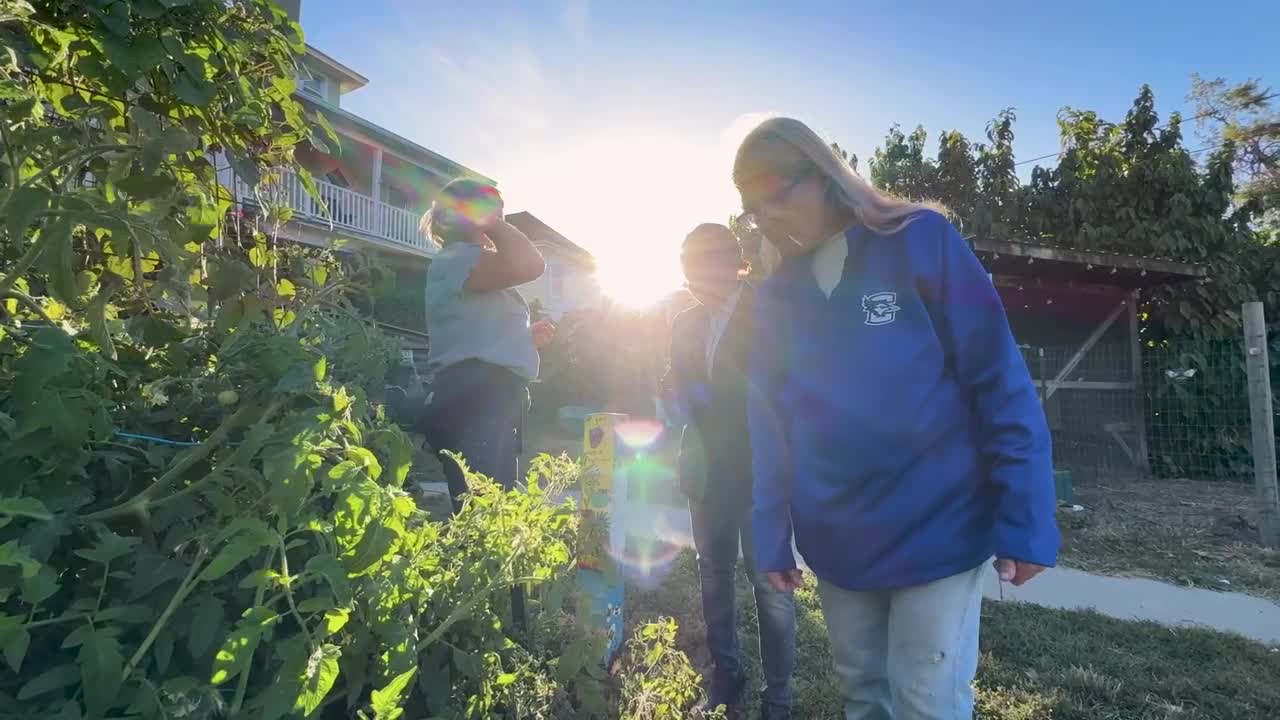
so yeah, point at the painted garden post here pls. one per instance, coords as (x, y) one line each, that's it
(600, 585)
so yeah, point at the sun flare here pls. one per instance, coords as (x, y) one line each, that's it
(629, 198)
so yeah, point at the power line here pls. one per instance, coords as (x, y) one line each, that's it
(1194, 118)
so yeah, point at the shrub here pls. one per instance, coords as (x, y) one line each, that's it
(659, 683)
(202, 511)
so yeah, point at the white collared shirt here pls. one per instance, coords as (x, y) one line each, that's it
(719, 322)
(828, 263)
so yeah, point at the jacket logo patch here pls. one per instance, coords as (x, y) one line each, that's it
(881, 308)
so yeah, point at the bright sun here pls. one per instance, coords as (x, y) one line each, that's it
(629, 198)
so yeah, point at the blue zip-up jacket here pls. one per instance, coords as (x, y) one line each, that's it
(894, 426)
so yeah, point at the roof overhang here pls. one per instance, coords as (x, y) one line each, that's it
(428, 160)
(348, 79)
(542, 234)
(1063, 267)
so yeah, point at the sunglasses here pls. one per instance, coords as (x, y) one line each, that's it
(781, 189)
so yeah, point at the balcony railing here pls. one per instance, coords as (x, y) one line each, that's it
(344, 209)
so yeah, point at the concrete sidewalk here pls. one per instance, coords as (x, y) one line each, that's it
(1131, 598)
(1125, 598)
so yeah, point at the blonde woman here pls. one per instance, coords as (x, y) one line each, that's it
(894, 427)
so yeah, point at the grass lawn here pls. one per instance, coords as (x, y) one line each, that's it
(1036, 663)
(1199, 534)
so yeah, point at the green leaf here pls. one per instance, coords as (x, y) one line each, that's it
(149, 9)
(318, 679)
(241, 547)
(76, 638)
(163, 650)
(206, 622)
(386, 702)
(70, 711)
(366, 459)
(27, 203)
(236, 652)
(41, 586)
(341, 400)
(101, 667)
(285, 288)
(320, 369)
(315, 604)
(148, 186)
(127, 615)
(115, 18)
(260, 255)
(14, 640)
(335, 620)
(193, 89)
(401, 451)
(109, 547)
(59, 260)
(332, 570)
(291, 474)
(99, 330)
(283, 317)
(25, 507)
(52, 679)
(146, 700)
(374, 545)
(505, 679)
(14, 555)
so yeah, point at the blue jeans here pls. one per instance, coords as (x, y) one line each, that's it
(476, 411)
(720, 524)
(909, 653)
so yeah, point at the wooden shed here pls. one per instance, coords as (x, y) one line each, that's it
(1075, 315)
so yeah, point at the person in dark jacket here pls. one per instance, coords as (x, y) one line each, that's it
(895, 428)
(707, 393)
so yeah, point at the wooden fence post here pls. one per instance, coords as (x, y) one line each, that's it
(1262, 421)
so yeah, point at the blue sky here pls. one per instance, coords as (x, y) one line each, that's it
(594, 114)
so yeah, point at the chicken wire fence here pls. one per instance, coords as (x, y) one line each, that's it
(1166, 412)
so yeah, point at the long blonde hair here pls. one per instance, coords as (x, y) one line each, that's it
(782, 146)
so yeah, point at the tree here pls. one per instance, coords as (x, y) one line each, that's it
(956, 183)
(1243, 116)
(901, 167)
(997, 178)
(846, 156)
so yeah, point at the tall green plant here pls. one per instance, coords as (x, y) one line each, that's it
(202, 507)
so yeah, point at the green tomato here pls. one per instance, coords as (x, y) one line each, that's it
(227, 398)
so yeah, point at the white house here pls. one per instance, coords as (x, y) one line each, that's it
(569, 283)
(374, 184)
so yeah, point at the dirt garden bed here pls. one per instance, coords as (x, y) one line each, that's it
(1197, 534)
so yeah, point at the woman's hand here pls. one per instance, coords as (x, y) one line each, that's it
(544, 331)
(786, 580)
(1017, 572)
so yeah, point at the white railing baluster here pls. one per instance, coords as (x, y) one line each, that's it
(340, 206)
